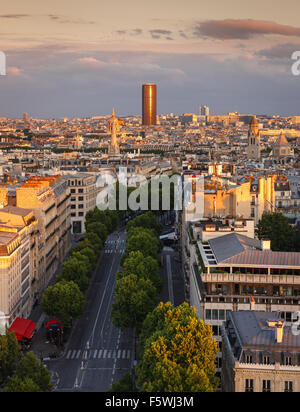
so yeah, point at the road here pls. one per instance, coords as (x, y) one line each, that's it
(98, 353)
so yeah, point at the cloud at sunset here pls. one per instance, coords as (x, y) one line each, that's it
(242, 29)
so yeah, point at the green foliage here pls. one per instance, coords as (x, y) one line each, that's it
(76, 269)
(125, 384)
(178, 351)
(9, 355)
(64, 301)
(276, 227)
(134, 299)
(30, 367)
(147, 221)
(144, 241)
(17, 385)
(143, 267)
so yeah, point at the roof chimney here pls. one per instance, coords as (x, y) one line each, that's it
(252, 303)
(279, 332)
(265, 244)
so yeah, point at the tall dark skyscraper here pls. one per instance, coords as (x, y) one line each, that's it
(149, 104)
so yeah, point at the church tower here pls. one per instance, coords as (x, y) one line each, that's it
(253, 149)
(114, 127)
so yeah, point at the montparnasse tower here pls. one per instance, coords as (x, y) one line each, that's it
(114, 127)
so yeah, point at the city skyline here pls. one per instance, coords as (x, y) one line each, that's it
(76, 62)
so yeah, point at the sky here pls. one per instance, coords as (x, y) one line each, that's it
(71, 58)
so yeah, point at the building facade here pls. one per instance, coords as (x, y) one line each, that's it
(149, 98)
(260, 354)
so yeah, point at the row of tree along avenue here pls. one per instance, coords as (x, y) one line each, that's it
(65, 300)
(175, 350)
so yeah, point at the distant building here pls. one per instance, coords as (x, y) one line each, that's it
(281, 147)
(149, 104)
(83, 192)
(253, 149)
(204, 110)
(260, 354)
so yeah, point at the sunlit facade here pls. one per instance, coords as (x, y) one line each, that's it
(149, 105)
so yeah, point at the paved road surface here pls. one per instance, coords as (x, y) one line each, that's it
(98, 353)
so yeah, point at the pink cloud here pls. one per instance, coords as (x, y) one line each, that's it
(242, 29)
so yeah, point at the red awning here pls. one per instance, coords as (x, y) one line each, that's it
(23, 328)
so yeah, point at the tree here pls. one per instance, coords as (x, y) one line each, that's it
(147, 221)
(30, 367)
(179, 351)
(275, 227)
(94, 241)
(90, 254)
(10, 355)
(134, 299)
(76, 269)
(17, 385)
(125, 384)
(143, 240)
(143, 267)
(99, 228)
(63, 301)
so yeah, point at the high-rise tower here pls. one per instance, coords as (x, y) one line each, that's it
(149, 104)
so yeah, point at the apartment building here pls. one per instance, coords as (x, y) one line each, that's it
(225, 272)
(49, 198)
(18, 271)
(260, 353)
(218, 197)
(83, 191)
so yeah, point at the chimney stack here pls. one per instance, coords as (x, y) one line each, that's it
(279, 332)
(265, 244)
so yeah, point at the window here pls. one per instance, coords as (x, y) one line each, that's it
(266, 386)
(215, 315)
(288, 361)
(80, 198)
(249, 385)
(80, 214)
(266, 360)
(215, 330)
(73, 190)
(208, 314)
(288, 387)
(80, 206)
(221, 314)
(249, 359)
(80, 190)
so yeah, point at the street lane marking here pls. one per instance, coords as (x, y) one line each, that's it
(73, 354)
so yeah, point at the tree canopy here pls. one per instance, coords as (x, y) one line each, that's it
(179, 351)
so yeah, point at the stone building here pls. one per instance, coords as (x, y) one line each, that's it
(254, 148)
(260, 353)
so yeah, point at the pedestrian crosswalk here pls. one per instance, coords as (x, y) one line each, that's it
(115, 251)
(115, 246)
(73, 354)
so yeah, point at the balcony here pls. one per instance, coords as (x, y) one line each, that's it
(250, 278)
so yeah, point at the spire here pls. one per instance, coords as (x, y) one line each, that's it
(113, 112)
